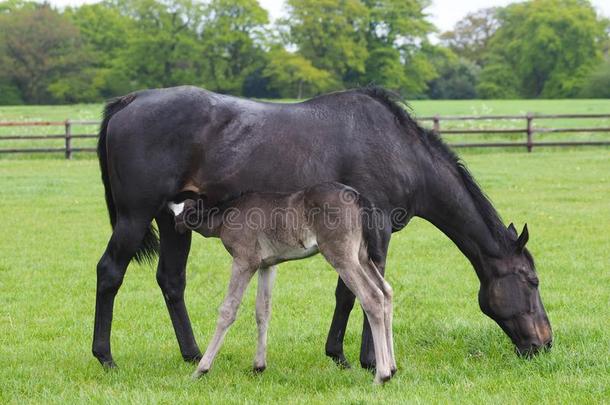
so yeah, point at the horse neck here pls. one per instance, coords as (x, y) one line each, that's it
(449, 205)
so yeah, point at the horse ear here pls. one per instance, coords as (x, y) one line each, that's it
(513, 231)
(523, 238)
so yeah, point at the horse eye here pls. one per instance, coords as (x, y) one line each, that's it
(532, 279)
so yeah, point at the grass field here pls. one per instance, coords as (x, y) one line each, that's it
(54, 228)
(420, 108)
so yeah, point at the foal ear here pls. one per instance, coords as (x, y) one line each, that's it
(523, 238)
(513, 231)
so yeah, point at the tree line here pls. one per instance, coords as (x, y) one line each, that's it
(533, 49)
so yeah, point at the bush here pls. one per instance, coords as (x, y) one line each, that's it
(457, 81)
(9, 94)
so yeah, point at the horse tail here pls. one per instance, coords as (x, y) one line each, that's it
(149, 247)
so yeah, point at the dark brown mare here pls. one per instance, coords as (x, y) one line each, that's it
(156, 146)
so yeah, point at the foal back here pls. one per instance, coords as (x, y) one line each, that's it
(272, 228)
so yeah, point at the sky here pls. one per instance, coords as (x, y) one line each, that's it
(443, 13)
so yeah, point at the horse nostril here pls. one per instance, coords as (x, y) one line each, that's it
(532, 349)
(525, 352)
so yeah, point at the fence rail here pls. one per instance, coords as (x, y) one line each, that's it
(528, 130)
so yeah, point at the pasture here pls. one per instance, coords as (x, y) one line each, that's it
(54, 227)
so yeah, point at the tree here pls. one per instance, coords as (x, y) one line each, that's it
(163, 49)
(470, 36)
(39, 47)
(548, 45)
(330, 34)
(385, 68)
(597, 84)
(396, 38)
(291, 75)
(233, 35)
(498, 81)
(104, 32)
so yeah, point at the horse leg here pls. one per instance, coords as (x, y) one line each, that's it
(124, 242)
(266, 277)
(240, 277)
(171, 277)
(344, 302)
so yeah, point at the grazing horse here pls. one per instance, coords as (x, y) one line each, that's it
(156, 145)
(261, 230)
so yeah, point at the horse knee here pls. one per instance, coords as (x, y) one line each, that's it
(388, 292)
(226, 316)
(344, 299)
(109, 276)
(262, 313)
(372, 304)
(173, 289)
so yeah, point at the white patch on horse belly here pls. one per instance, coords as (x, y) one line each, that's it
(176, 208)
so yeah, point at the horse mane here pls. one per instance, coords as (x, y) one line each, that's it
(436, 146)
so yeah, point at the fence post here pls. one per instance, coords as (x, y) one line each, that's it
(530, 131)
(68, 139)
(437, 124)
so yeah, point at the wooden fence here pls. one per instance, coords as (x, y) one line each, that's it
(68, 150)
(528, 129)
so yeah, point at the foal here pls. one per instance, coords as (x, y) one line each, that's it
(261, 230)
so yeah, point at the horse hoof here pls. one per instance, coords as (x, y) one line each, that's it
(340, 360)
(372, 367)
(192, 358)
(109, 365)
(258, 369)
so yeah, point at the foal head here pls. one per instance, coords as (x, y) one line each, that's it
(510, 297)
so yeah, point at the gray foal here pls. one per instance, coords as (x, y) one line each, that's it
(261, 230)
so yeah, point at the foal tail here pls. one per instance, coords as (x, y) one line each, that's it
(371, 228)
(149, 248)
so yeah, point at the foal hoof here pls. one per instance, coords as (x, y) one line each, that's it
(258, 369)
(382, 379)
(198, 373)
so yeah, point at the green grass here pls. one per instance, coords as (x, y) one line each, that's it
(54, 228)
(420, 108)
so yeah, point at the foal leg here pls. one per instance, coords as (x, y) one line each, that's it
(124, 242)
(171, 277)
(266, 277)
(383, 285)
(379, 253)
(372, 300)
(240, 277)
